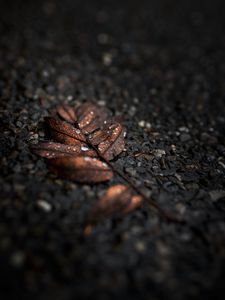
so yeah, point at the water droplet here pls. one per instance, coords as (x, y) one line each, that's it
(83, 148)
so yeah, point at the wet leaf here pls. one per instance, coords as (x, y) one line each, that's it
(118, 199)
(111, 141)
(99, 136)
(81, 169)
(91, 117)
(54, 150)
(87, 132)
(63, 132)
(66, 113)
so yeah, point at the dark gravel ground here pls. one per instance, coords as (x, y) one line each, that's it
(160, 63)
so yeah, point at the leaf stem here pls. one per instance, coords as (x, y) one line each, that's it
(165, 215)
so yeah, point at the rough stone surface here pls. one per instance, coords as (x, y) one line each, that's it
(159, 63)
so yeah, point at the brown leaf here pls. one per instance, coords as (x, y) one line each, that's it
(110, 141)
(91, 117)
(117, 199)
(66, 113)
(54, 150)
(64, 132)
(99, 136)
(81, 169)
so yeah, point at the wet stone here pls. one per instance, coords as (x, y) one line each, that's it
(184, 137)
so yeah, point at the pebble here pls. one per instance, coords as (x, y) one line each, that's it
(162, 248)
(131, 171)
(181, 208)
(173, 147)
(148, 125)
(70, 97)
(217, 195)
(17, 259)
(183, 129)
(45, 206)
(103, 38)
(101, 103)
(184, 137)
(221, 164)
(136, 100)
(141, 124)
(45, 73)
(132, 111)
(107, 59)
(192, 186)
(140, 246)
(159, 152)
(19, 188)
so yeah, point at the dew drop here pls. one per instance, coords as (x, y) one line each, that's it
(83, 148)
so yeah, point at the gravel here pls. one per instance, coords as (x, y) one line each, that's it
(161, 65)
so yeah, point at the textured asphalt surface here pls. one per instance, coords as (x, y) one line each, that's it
(159, 63)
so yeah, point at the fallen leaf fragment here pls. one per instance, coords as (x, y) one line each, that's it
(66, 113)
(82, 169)
(91, 117)
(117, 199)
(63, 132)
(114, 144)
(51, 150)
(99, 136)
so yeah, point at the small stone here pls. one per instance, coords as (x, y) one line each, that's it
(173, 147)
(184, 137)
(44, 205)
(101, 103)
(221, 164)
(192, 186)
(45, 73)
(181, 208)
(70, 98)
(19, 188)
(162, 248)
(217, 195)
(34, 136)
(19, 124)
(107, 59)
(136, 100)
(159, 152)
(140, 247)
(131, 171)
(148, 125)
(153, 91)
(132, 111)
(17, 259)
(141, 123)
(183, 129)
(103, 38)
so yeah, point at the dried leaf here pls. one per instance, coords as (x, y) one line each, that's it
(113, 144)
(74, 159)
(64, 132)
(117, 199)
(99, 136)
(91, 117)
(81, 169)
(66, 113)
(54, 150)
